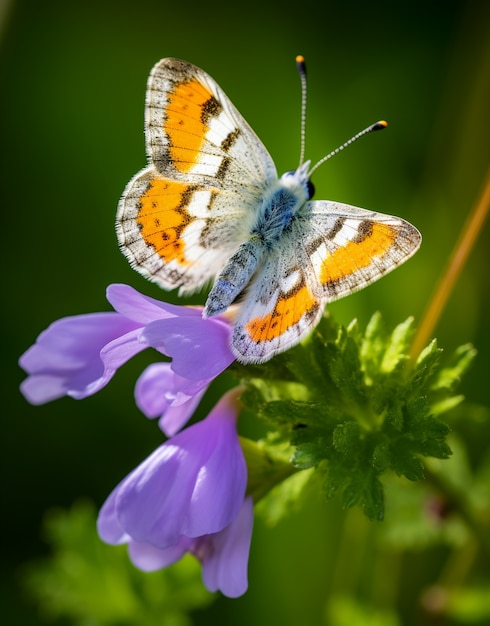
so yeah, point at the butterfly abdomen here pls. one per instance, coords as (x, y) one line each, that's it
(234, 277)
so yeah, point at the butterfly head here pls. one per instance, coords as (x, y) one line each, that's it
(300, 178)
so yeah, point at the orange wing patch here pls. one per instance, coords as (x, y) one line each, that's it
(162, 217)
(358, 253)
(189, 107)
(288, 311)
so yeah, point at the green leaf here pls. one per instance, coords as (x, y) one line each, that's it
(365, 489)
(284, 498)
(355, 407)
(306, 455)
(450, 375)
(396, 351)
(346, 437)
(91, 582)
(426, 365)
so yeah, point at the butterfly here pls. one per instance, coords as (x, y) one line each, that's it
(210, 208)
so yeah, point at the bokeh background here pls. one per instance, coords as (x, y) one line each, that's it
(73, 77)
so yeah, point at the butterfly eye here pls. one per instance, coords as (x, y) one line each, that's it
(310, 189)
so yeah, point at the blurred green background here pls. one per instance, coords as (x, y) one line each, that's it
(73, 78)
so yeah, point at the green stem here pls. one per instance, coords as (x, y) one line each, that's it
(456, 263)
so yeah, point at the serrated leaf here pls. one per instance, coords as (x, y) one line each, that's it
(345, 368)
(397, 346)
(366, 490)
(374, 507)
(443, 406)
(381, 457)
(293, 412)
(426, 364)
(356, 403)
(373, 345)
(437, 449)
(408, 465)
(305, 456)
(417, 409)
(448, 377)
(304, 366)
(284, 498)
(346, 437)
(335, 477)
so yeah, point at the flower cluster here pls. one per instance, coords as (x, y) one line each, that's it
(189, 495)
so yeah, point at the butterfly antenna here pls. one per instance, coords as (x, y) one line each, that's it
(301, 65)
(377, 126)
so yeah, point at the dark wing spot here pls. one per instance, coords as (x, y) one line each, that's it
(210, 108)
(364, 231)
(225, 164)
(229, 140)
(336, 227)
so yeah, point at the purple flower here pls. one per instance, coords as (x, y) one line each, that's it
(159, 393)
(193, 485)
(224, 555)
(77, 356)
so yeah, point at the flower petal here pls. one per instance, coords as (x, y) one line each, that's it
(108, 526)
(200, 348)
(225, 567)
(149, 559)
(143, 309)
(222, 479)
(158, 394)
(65, 360)
(152, 501)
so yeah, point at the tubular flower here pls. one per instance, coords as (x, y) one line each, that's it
(77, 356)
(193, 485)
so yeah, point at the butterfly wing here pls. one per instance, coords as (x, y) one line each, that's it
(280, 307)
(330, 251)
(349, 248)
(181, 217)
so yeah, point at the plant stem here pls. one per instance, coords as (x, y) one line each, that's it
(456, 263)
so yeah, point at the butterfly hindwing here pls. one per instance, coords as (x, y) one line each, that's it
(281, 306)
(172, 232)
(349, 248)
(329, 251)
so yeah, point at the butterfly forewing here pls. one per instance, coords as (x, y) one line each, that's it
(194, 130)
(183, 216)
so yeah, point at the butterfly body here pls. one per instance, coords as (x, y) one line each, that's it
(275, 215)
(210, 207)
